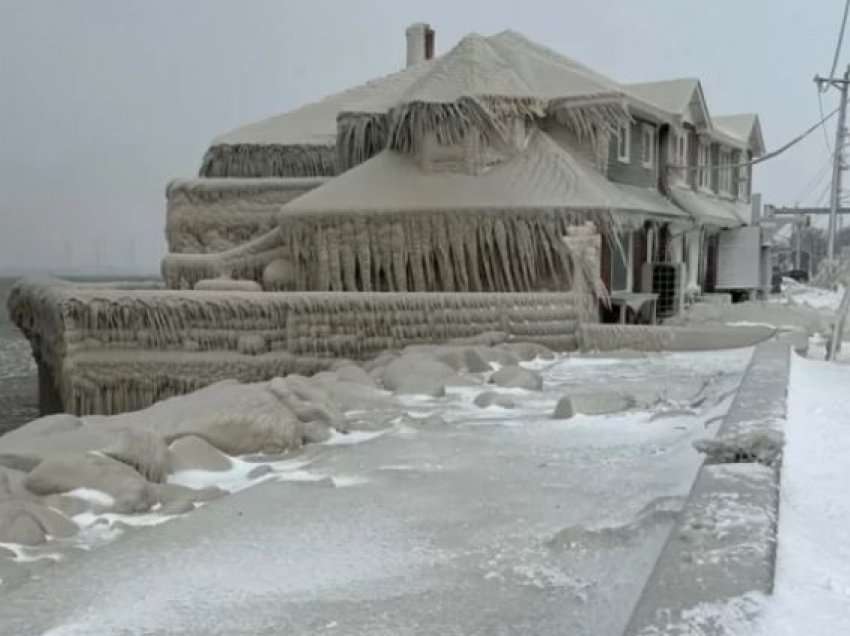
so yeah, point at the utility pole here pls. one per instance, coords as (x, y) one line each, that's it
(838, 159)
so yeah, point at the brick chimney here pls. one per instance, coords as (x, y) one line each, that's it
(420, 43)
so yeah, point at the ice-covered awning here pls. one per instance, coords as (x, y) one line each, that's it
(710, 210)
(543, 175)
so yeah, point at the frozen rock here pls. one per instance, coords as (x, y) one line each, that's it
(353, 373)
(596, 403)
(244, 433)
(380, 361)
(564, 409)
(23, 463)
(194, 453)
(316, 432)
(177, 507)
(18, 526)
(260, 471)
(12, 484)
(170, 493)
(47, 425)
(491, 398)
(61, 474)
(474, 362)
(349, 396)
(143, 450)
(28, 523)
(518, 378)
(279, 276)
(68, 506)
(499, 356)
(527, 350)
(416, 373)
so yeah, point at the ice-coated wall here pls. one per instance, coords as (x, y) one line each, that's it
(104, 350)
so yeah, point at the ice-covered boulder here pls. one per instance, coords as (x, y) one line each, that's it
(595, 403)
(29, 524)
(193, 453)
(527, 351)
(517, 378)
(129, 491)
(418, 373)
(143, 450)
(492, 398)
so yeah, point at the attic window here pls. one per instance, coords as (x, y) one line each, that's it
(624, 143)
(647, 145)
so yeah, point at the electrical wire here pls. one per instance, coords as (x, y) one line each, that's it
(838, 45)
(815, 182)
(767, 156)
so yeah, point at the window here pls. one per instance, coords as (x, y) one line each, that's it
(704, 166)
(647, 145)
(621, 263)
(743, 183)
(680, 155)
(725, 170)
(624, 143)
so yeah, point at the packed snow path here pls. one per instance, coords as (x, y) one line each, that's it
(491, 521)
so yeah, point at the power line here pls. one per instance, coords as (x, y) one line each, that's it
(815, 181)
(769, 155)
(838, 45)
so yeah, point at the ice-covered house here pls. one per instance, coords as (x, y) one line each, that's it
(658, 165)
(498, 187)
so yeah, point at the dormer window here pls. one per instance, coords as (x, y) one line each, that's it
(647, 145)
(624, 143)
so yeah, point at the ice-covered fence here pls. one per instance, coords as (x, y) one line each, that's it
(103, 350)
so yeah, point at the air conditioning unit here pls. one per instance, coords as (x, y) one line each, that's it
(668, 281)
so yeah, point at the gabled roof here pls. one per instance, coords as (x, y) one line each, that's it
(745, 127)
(681, 97)
(315, 123)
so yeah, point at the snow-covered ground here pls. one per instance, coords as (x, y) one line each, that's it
(812, 588)
(470, 522)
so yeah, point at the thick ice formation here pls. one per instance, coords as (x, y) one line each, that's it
(68, 481)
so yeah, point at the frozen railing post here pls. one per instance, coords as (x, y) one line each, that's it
(584, 244)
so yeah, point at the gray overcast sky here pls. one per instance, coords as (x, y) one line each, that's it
(103, 101)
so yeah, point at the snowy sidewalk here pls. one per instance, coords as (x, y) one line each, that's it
(812, 586)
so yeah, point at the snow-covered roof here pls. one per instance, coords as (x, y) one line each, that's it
(744, 127)
(710, 210)
(481, 79)
(672, 95)
(542, 176)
